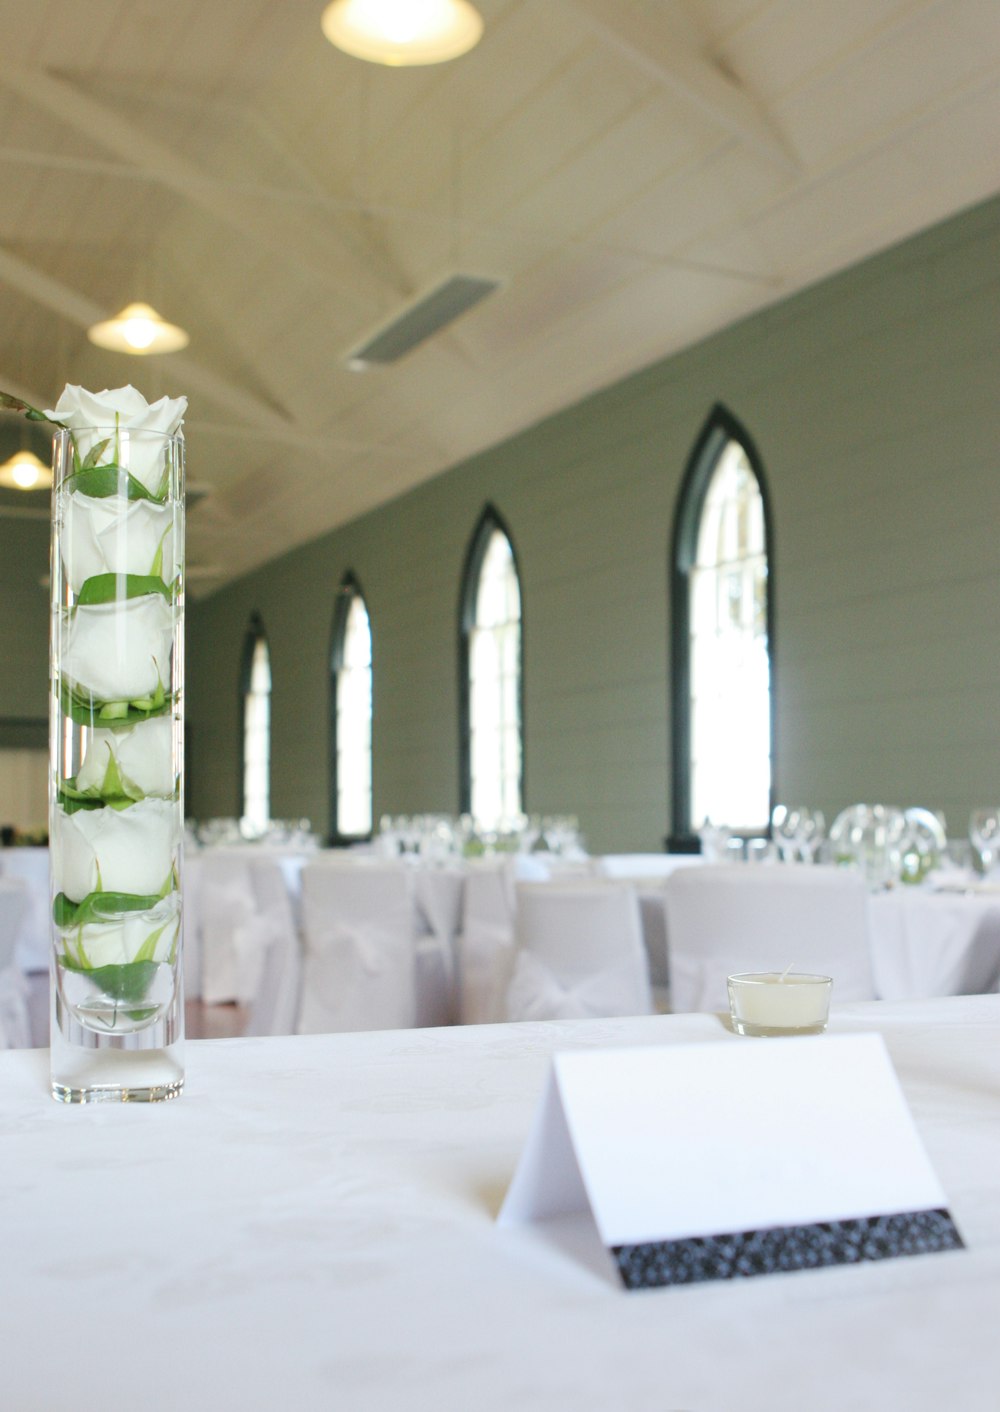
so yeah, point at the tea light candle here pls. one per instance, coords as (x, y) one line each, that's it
(779, 1003)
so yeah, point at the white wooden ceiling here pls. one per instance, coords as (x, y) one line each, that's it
(639, 173)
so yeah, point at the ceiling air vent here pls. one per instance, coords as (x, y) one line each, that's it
(431, 313)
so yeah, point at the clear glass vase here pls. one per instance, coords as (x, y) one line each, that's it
(116, 796)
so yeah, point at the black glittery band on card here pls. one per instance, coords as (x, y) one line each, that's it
(782, 1248)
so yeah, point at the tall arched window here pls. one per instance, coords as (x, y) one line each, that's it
(351, 714)
(256, 699)
(723, 641)
(491, 689)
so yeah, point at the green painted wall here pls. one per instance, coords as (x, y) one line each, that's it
(872, 399)
(24, 626)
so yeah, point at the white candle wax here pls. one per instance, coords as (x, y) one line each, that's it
(770, 1003)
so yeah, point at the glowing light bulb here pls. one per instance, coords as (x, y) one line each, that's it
(138, 329)
(139, 333)
(24, 475)
(401, 32)
(24, 471)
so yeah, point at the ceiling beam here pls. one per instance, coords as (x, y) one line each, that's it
(678, 66)
(338, 268)
(79, 310)
(256, 418)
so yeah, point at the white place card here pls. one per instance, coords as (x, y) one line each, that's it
(716, 1161)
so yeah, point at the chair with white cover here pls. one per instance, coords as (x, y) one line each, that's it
(648, 873)
(723, 920)
(359, 933)
(233, 936)
(32, 866)
(274, 1008)
(15, 1023)
(485, 941)
(579, 953)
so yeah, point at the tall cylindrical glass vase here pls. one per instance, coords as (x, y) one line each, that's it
(116, 790)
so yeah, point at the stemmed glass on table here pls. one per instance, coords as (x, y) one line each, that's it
(984, 834)
(798, 833)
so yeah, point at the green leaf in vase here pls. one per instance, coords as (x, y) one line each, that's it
(99, 907)
(156, 568)
(116, 791)
(113, 588)
(95, 453)
(129, 982)
(87, 711)
(102, 481)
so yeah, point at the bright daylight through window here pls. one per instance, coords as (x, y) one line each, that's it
(257, 739)
(353, 668)
(495, 688)
(730, 665)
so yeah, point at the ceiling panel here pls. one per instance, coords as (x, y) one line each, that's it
(282, 200)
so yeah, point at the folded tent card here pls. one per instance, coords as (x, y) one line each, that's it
(718, 1161)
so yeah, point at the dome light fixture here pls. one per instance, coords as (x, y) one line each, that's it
(138, 329)
(24, 471)
(403, 32)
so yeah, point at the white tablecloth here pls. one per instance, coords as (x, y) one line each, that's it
(928, 943)
(311, 1226)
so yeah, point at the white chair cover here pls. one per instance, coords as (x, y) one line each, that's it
(274, 1008)
(438, 893)
(233, 935)
(722, 920)
(359, 927)
(34, 941)
(485, 942)
(580, 952)
(15, 1024)
(653, 911)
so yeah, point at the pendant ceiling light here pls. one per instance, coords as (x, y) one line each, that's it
(401, 32)
(24, 471)
(138, 329)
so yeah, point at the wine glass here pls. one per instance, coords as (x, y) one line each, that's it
(714, 840)
(810, 833)
(984, 834)
(785, 826)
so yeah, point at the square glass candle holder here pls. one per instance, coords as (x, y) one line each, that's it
(775, 1003)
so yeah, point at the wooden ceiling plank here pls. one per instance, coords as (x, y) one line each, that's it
(79, 310)
(679, 67)
(350, 276)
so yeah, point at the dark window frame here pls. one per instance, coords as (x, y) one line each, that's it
(489, 520)
(720, 427)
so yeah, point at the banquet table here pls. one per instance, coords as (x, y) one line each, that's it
(312, 1226)
(928, 942)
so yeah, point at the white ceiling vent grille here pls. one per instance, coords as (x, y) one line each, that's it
(426, 317)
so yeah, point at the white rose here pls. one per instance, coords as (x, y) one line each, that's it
(119, 651)
(99, 537)
(119, 942)
(94, 416)
(116, 850)
(143, 755)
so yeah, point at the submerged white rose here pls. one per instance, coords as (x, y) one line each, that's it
(100, 537)
(147, 936)
(116, 850)
(119, 651)
(143, 757)
(141, 427)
